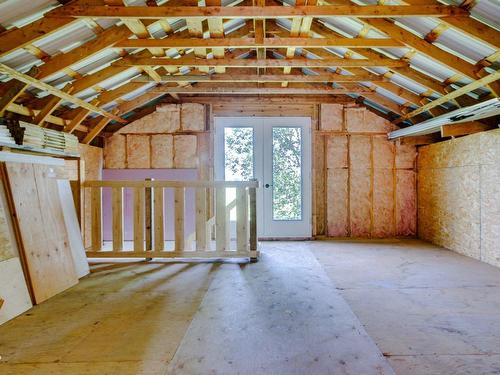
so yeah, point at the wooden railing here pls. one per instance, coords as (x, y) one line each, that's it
(211, 237)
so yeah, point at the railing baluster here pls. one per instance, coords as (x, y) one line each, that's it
(221, 230)
(242, 219)
(139, 198)
(117, 217)
(179, 194)
(149, 216)
(201, 219)
(96, 217)
(149, 195)
(253, 219)
(159, 219)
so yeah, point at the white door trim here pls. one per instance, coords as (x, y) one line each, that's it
(263, 136)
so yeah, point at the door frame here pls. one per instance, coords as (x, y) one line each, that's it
(259, 125)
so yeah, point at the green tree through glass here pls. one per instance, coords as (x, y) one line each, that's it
(238, 150)
(287, 173)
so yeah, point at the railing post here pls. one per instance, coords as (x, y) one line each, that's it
(159, 219)
(253, 223)
(117, 217)
(201, 219)
(96, 215)
(149, 216)
(179, 194)
(242, 219)
(139, 219)
(221, 229)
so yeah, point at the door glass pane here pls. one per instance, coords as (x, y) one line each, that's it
(238, 154)
(238, 160)
(287, 173)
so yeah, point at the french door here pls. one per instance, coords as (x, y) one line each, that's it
(276, 151)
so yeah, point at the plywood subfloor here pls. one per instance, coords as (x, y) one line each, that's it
(429, 310)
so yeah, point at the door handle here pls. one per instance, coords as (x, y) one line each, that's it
(267, 185)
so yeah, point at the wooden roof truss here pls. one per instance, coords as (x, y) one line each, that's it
(243, 47)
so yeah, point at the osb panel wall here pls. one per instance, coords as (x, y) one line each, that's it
(92, 158)
(166, 138)
(459, 195)
(369, 182)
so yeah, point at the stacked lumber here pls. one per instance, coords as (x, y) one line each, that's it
(34, 136)
(5, 136)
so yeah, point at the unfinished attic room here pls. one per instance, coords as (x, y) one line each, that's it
(265, 187)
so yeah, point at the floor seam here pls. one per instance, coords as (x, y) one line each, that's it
(192, 318)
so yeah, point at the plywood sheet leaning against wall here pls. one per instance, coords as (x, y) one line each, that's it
(73, 229)
(14, 295)
(459, 195)
(92, 162)
(43, 234)
(370, 181)
(166, 138)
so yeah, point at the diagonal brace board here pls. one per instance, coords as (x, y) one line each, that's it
(61, 94)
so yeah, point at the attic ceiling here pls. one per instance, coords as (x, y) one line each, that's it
(98, 61)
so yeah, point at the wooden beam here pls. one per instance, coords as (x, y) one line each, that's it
(19, 38)
(298, 89)
(106, 39)
(411, 40)
(50, 107)
(265, 100)
(137, 102)
(259, 63)
(467, 25)
(418, 140)
(368, 11)
(451, 95)
(266, 78)
(77, 120)
(28, 112)
(455, 130)
(13, 90)
(252, 43)
(406, 71)
(216, 29)
(52, 90)
(94, 132)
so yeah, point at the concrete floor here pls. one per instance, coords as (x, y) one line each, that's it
(342, 307)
